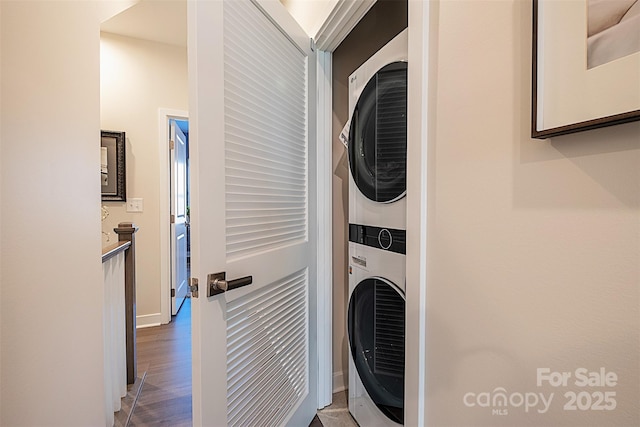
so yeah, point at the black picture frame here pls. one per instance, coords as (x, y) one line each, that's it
(538, 130)
(113, 166)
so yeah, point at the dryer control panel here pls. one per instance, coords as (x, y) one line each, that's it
(387, 239)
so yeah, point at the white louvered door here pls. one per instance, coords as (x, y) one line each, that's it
(253, 213)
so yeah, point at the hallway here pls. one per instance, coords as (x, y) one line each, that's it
(164, 352)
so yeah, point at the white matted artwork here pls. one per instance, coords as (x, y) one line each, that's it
(586, 65)
(613, 30)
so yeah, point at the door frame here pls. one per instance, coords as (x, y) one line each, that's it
(164, 181)
(341, 20)
(325, 225)
(422, 58)
(421, 114)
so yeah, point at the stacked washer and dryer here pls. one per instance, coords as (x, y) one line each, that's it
(377, 149)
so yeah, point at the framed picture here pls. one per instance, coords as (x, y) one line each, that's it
(586, 65)
(112, 166)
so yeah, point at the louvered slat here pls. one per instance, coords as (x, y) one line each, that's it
(391, 133)
(267, 371)
(265, 134)
(389, 321)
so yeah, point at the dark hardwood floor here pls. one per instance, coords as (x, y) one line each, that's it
(164, 352)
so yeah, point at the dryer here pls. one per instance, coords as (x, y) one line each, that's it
(377, 147)
(376, 329)
(377, 143)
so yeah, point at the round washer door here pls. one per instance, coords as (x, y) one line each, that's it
(378, 135)
(376, 325)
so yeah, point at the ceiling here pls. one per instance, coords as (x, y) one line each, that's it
(163, 21)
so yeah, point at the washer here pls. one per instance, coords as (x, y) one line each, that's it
(377, 143)
(376, 325)
(377, 150)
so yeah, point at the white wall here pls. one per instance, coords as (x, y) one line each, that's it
(137, 78)
(0, 215)
(51, 295)
(534, 245)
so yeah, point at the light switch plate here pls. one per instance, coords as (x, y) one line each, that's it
(135, 205)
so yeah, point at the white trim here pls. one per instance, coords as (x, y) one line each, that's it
(164, 189)
(340, 381)
(148, 320)
(342, 19)
(420, 117)
(325, 225)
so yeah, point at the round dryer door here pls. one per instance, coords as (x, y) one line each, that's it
(376, 321)
(378, 135)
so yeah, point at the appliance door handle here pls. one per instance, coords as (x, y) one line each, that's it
(217, 283)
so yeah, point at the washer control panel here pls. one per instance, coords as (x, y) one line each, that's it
(387, 239)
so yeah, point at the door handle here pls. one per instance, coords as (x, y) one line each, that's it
(217, 283)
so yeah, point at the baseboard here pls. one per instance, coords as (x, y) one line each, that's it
(339, 383)
(148, 320)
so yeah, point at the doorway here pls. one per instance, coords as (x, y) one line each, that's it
(179, 218)
(150, 74)
(174, 183)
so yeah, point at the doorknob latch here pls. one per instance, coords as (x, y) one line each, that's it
(193, 287)
(217, 283)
